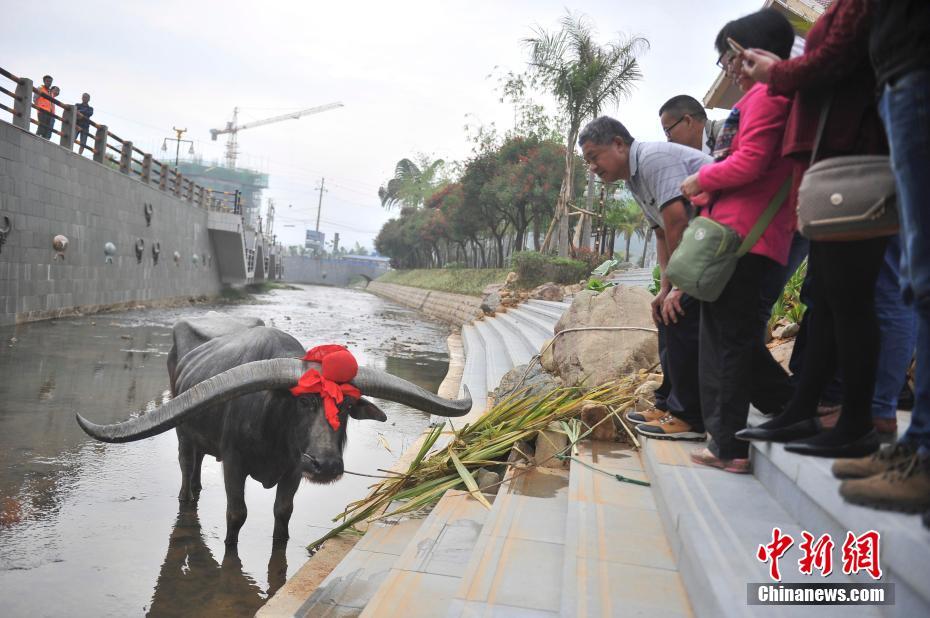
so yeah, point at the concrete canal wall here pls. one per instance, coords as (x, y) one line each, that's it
(46, 191)
(455, 309)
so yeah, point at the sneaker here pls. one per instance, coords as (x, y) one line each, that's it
(879, 462)
(904, 488)
(705, 458)
(644, 417)
(669, 427)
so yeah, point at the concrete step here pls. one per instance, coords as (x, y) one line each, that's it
(806, 488)
(517, 344)
(355, 580)
(540, 324)
(424, 577)
(497, 357)
(715, 522)
(516, 566)
(560, 306)
(617, 560)
(549, 312)
(534, 338)
(475, 374)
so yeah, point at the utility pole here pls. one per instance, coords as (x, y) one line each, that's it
(336, 243)
(319, 206)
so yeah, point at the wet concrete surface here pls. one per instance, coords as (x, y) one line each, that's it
(91, 529)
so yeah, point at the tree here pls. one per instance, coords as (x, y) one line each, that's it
(583, 77)
(627, 219)
(412, 182)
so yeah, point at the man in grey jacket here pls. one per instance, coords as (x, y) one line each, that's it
(685, 122)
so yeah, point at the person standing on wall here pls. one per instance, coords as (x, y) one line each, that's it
(84, 112)
(46, 108)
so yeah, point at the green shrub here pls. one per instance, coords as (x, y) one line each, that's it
(656, 280)
(530, 267)
(534, 268)
(591, 259)
(566, 271)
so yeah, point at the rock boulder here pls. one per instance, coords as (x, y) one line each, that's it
(595, 357)
(548, 291)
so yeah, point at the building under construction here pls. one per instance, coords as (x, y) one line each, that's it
(229, 180)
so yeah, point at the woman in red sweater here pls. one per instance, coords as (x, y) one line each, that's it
(833, 73)
(735, 365)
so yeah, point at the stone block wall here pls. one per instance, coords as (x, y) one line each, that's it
(45, 190)
(455, 309)
(329, 271)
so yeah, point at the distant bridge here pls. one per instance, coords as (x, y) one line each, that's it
(332, 271)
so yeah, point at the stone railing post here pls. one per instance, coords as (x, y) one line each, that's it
(202, 201)
(100, 144)
(125, 158)
(22, 106)
(190, 195)
(163, 177)
(178, 182)
(146, 168)
(68, 124)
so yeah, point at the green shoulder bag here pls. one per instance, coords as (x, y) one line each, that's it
(706, 257)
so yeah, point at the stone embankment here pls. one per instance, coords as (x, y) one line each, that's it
(456, 309)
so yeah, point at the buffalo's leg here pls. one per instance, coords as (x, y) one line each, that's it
(195, 473)
(284, 504)
(187, 458)
(234, 479)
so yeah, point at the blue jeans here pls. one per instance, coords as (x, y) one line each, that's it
(905, 111)
(898, 324)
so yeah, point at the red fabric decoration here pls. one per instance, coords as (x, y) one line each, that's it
(339, 367)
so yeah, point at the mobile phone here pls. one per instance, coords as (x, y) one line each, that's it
(735, 46)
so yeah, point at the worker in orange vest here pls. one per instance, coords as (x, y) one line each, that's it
(46, 108)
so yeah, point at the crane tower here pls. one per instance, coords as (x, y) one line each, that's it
(233, 127)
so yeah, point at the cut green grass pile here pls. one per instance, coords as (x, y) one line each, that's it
(486, 442)
(468, 281)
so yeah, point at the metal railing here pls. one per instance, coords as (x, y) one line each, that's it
(130, 160)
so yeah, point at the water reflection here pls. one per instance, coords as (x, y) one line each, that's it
(191, 577)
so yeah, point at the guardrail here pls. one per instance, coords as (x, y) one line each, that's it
(127, 158)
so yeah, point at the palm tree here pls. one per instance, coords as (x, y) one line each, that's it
(412, 183)
(627, 219)
(582, 76)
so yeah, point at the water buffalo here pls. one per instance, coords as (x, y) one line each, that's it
(230, 380)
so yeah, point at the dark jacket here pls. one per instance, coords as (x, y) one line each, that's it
(835, 63)
(900, 38)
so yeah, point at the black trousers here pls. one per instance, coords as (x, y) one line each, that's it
(46, 124)
(680, 364)
(843, 330)
(735, 366)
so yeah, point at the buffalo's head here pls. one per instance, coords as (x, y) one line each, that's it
(313, 441)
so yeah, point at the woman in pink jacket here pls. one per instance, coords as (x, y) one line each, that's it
(735, 365)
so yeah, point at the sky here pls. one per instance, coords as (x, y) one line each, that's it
(410, 74)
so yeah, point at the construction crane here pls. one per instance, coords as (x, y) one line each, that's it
(233, 127)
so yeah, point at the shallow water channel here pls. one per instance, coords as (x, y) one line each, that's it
(92, 529)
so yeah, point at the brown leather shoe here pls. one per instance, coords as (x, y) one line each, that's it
(669, 427)
(881, 461)
(904, 488)
(646, 416)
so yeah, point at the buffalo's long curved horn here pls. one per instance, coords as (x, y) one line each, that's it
(277, 373)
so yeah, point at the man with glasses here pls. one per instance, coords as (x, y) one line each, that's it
(685, 122)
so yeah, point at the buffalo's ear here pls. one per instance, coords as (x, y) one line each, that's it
(364, 410)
